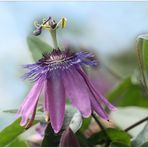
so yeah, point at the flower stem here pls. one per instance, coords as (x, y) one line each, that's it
(136, 124)
(103, 129)
(98, 122)
(54, 38)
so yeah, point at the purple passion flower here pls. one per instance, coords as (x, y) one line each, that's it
(60, 75)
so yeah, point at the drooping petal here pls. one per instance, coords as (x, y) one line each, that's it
(30, 122)
(28, 106)
(96, 106)
(55, 97)
(97, 94)
(104, 100)
(77, 91)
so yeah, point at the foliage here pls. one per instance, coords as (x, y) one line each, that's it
(19, 143)
(129, 94)
(110, 136)
(51, 139)
(11, 132)
(37, 47)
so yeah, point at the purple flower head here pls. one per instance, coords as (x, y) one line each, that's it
(60, 75)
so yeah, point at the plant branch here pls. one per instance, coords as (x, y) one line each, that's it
(98, 122)
(136, 124)
(103, 129)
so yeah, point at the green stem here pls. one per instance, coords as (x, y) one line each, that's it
(103, 129)
(98, 122)
(136, 124)
(54, 38)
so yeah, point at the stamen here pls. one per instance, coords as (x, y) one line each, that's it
(57, 60)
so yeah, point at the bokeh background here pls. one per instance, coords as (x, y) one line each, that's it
(108, 28)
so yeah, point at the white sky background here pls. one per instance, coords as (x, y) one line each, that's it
(108, 27)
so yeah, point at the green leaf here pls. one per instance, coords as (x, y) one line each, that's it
(13, 111)
(120, 136)
(97, 138)
(142, 138)
(51, 139)
(10, 133)
(134, 115)
(85, 124)
(113, 136)
(142, 48)
(117, 144)
(18, 143)
(82, 139)
(128, 94)
(37, 47)
(143, 45)
(145, 144)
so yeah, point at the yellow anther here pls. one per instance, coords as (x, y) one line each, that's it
(63, 22)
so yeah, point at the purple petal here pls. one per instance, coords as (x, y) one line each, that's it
(77, 91)
(55, 98)
(68, 139)
(28, 106)
(30, 122)
(97, 94)
(98, 108)
(104, 100)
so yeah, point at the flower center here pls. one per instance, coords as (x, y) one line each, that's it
(58, 59)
